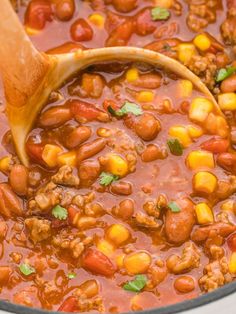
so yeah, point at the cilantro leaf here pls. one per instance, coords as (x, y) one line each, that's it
(60, 212)
(175, 146)
(128, 107)
(224, 73)
(137, 284)
(159, 13)
(107, 178)
(174, 207)
(71, 275)
(26, 269)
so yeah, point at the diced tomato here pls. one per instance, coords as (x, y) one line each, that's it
(69, 305)
(144, 23)
(121, 35)
(110, 103)
(35, 151)
(38, 13)
(72, 212)
(98, 263)
(232, 242)
(81, 31)
(85, 111)
(215, 145)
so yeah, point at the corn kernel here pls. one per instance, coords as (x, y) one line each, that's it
(202, 42)
(105, 247)
(132, 75)
(137, 263)
(50, 154)
(199, 109)
(68, 158)
(194, 131)
(166, 4)
(200, 159)
(205, 182)
(204, 214)
(227, 101)
(228, 205)
(97, 19)
(120, 260)
(5, 164)
(145, 96)
(232, 263)
(117, 165)
(186, 52)
(181, 133)
(117, 234)
(104, 132)
(31, 31)
(185, 88)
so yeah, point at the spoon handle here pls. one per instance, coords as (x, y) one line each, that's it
(22, 67)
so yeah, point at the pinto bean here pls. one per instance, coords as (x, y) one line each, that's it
(147, 127)
(65, 9)
(153, 152)
(98, 263)
(144, 23)
(89, 171)
(38, 13)
(124, 6)
(147, 81)
(9, 202)
(35, 151)
(78, 136)
(165, 46)
(121, 188)
(215, 145)
(5, 273)
(19, 179)
(229, 84)
(124, 210)
(90, 288)
(220, 228)
(227, 161)
(178, 226)
(89, 150)
(81, 31)
(54, 117)
(184, 284)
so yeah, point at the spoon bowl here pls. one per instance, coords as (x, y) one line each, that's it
(29, 76)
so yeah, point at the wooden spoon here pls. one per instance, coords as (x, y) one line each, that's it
(29, 76)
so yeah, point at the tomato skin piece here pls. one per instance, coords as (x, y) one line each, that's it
(216, 146)
(98, 263)
(110, 103)
(69, 305)
(231, 241)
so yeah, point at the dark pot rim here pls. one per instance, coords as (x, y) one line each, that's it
(170, 309)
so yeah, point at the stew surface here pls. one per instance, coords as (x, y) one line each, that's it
(129, 199)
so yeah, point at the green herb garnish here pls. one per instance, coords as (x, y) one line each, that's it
(159, 13)
(175, 146)
(128, 107)
(107, 178)
(174, 207)
(224, 73)
(60, 212)
(26, 269)
(137, 284)
(71, 275)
